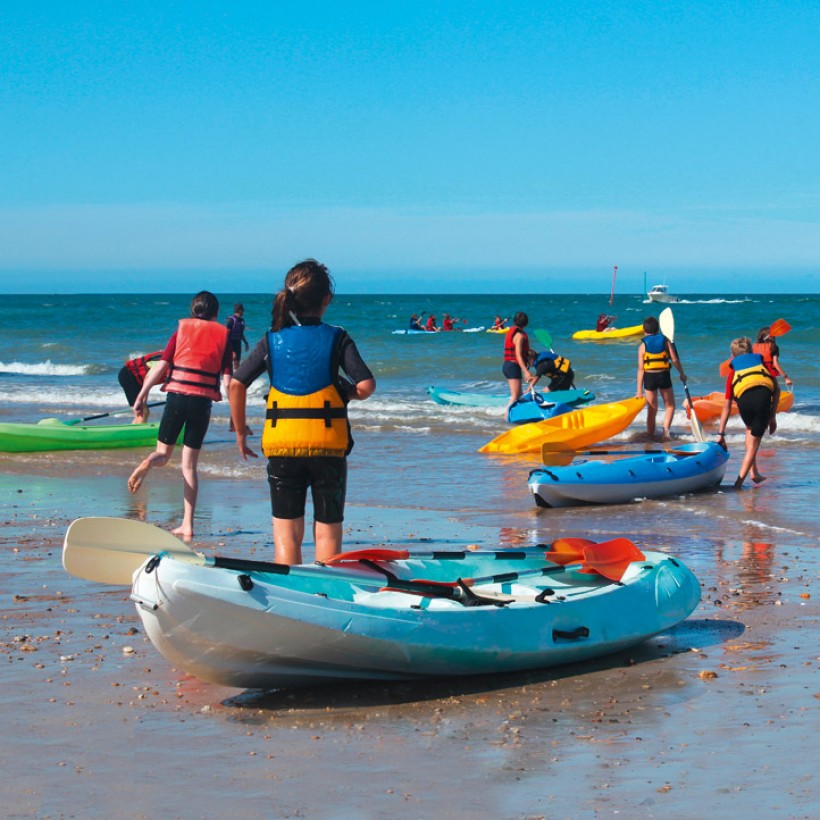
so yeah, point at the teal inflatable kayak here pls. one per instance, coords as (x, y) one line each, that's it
(384, 614)
(52, 434)
(441, 396)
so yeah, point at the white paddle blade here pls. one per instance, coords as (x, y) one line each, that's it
(109, 550)
(667, 322)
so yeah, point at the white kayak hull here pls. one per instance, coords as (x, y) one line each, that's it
(281, 631)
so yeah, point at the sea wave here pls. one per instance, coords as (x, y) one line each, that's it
(48, 368)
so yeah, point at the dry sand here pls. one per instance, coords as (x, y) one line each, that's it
(717, 718)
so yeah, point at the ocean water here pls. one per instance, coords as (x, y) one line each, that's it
(59, 356)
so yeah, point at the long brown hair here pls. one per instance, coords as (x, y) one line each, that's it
(307, 285)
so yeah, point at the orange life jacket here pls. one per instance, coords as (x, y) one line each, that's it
(764, 349)
(197, 366)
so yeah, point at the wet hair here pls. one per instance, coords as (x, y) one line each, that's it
(651, 326)
(204, 305)
(521, 319)
(741, 345)
(763, 334)
(307, 285)
(238, 306)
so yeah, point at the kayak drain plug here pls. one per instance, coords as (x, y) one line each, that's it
(245, 582)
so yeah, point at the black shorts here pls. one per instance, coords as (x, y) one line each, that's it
(289, 478)
(192, 412)
(236, 348)
(563, 381)
(129, 384)
(657, 380)
(511, 370)
(755, 408)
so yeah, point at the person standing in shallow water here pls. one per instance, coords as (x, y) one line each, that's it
(516, 357)
(196, 357)
(655, 359)
(314, 369)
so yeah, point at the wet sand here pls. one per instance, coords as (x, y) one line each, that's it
(718, 718)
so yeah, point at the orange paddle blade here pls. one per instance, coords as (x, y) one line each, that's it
(368, 555)
(779, 327)
(725, 370)
(611, 558)
(568, 550)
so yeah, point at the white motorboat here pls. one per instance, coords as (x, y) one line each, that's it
(660, 293)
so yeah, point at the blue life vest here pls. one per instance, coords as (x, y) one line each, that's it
(656, 355)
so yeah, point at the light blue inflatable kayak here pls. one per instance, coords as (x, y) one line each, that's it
(443, 396)
(535, 407)
(380, 613)
(689, 468)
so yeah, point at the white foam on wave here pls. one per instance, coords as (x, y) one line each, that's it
(46, 368)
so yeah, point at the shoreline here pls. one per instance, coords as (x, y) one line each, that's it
(725, 705)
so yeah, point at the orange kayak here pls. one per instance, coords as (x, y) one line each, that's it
(709, 408)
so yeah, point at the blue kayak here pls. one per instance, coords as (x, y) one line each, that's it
(688, 468)
(442, 396)
(535, 407)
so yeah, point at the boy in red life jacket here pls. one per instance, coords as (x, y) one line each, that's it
(194, 361)
(131, 377)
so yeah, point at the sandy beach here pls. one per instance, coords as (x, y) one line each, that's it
(717, 717)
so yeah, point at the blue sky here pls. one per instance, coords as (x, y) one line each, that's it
(412, 146)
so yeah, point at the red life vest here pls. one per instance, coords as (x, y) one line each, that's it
(139, 366)
(509, 345)
(764, 349)
(197, 365)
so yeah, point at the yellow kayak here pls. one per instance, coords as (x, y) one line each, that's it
(497, 329)
(569, 431)
(608, 335)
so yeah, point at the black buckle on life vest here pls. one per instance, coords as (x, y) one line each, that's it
(325, 413)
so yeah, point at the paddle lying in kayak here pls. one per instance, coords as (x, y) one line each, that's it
(110, 550)
(667, 323)
(111, 413)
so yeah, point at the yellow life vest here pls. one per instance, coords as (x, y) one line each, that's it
(749, 377)
(306, 412)
(562, 364)
(656, 354)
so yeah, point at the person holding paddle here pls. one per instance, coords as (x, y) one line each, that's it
(656, 355)
(756, 392)
(315, 370)
(767, 347)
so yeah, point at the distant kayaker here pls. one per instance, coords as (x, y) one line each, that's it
(557, 368)
(516, 356)
(655, 359)
(604, 322)
(767, 347)
(499, 323)
(131, 377)
(432, 327)
(756, 392)
(448, 322)
(196, 357)
(236, 333)
(415, 324)
(314, 369)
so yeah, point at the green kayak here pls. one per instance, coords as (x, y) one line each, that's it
(52, 434)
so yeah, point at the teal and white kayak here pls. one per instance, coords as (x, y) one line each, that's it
(49, 435)
(689, 468)
(535, 407)
(443, 396)
(383, 614)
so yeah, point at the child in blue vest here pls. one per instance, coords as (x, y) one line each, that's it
(655, 359)
(314, 369)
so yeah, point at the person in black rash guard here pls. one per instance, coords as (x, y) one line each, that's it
(315, 369)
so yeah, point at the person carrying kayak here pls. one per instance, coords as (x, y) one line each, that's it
(131, 377)
(756, 392)
(194, 361)
(315, 370)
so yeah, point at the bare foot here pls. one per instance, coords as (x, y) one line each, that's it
(135, 479)
(738, 483)
(758, 479)
(185, 535)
